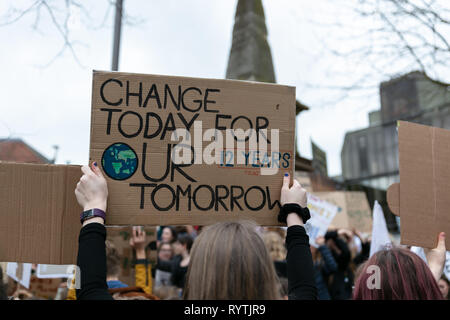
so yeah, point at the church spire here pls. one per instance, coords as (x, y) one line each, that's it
(250, 57)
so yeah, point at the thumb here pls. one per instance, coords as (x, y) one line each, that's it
(441, 242)
(286, 181)
(96, 169)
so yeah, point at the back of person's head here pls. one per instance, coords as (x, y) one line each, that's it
(112, 260)
(185, 239)
(230, 261)
(275, 244)
(444, 286)
(403, 275)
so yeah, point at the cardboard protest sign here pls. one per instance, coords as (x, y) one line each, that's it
(39, 213)
(322, 213)
(353, 210)
(179, 151)
(422, 197)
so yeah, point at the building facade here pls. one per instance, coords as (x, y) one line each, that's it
(369, 156)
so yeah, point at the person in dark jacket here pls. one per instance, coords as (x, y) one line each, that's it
(341, 282)
(362, 256)
(178, 265)
(92, 192)
(324, 266)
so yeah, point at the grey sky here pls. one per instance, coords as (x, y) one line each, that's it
(50, 105)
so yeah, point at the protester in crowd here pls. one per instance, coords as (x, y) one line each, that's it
(164, 253)
(113, 267)
(399, 274)
(178, 265)
(142, 267)
(363, 255)
(340, 283)
(229, 260)
(324, 266)
(192, 231)
(168, 234)
(275, 244)
(444, 284)
(3, 287)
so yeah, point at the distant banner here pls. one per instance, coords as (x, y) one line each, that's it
(322, 213)
(21, 272)
(51, 271)
(447, 265)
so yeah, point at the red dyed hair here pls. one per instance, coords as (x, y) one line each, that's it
(403, 276)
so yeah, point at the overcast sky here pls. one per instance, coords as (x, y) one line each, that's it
(50, 105)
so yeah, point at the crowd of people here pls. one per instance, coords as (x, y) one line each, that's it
(241, 260)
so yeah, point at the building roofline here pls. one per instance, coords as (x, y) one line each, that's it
(37, 153)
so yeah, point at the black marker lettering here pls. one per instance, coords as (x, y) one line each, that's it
(134, 94)
(102, 95)
(110, 112)
(206, 101)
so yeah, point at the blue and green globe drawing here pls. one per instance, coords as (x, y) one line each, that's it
(119, 161)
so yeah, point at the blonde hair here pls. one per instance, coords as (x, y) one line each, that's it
(275, 244)
(230, 261)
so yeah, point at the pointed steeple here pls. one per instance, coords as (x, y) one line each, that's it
(250, 57)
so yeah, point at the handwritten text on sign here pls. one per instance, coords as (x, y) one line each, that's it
(183, 144)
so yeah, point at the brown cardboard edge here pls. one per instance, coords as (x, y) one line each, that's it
(248, 82)
(393, 198)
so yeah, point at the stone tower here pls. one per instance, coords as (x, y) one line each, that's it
(250, 57)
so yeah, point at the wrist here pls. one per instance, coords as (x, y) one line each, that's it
(95, 205)
(140, 254)
(436, 271)
(94, 220)
(294, 219)
(299, 215)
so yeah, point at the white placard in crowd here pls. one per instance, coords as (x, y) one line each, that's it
(52, 271)
(21, 272)
(322, 213)
(380, 234)
(447, 265)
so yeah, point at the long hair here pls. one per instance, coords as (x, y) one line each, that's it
(230, 261)
(403, 276)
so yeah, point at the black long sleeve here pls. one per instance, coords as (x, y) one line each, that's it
(300, 269)
(92, 263)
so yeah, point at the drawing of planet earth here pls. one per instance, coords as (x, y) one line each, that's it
(119, 161)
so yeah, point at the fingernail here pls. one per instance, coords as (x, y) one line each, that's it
(95, 163)
(286, 174)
